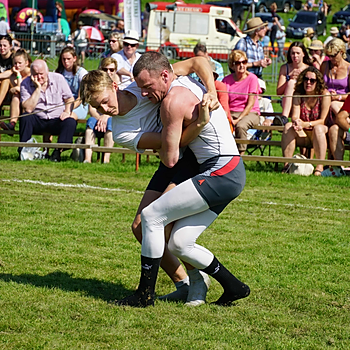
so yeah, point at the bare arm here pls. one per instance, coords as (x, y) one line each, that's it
(342, 120)
(6, 74)
(68, 107)
(282, 80)
(200, 66)
(153, 140)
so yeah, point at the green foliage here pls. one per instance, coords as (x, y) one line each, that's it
(67, 251)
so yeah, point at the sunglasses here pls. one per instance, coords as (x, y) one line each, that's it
(113, 41)
(238, 63)
(108, 69)
(127, 44)
(311, 80)
(332, 56)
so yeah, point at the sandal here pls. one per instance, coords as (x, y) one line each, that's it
(286, 169)
(318, 172)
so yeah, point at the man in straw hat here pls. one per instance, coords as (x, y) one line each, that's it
(251, 45)
(127, 57)
(334, 34)
(308, 37)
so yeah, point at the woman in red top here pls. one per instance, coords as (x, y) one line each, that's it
(308, 128)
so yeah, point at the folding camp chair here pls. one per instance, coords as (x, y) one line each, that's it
(259, 135)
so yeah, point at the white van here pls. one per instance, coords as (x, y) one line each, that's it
(175, 28)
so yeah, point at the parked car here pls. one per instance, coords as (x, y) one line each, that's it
(341, 16)
(267, 17)
(282, 5)
(236, 7)
(307, 19)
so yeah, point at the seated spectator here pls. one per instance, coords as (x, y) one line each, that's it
(6, 64)
(339, 133)
(336, 74)
(316, 53)
(101, 125)
(222, 94)
(201, 50)
(127, 57)
(309, 114)
(343, 34)
(49, 99)
(68, 67)
(21, 70)
(297, 60)
(120, 26)
(244, 108)
(115, 42)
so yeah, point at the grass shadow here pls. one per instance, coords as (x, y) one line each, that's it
(90, 287)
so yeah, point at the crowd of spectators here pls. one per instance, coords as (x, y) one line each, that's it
(312, 68)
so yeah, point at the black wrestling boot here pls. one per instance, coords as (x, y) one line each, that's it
(234, 289)
(144, 295)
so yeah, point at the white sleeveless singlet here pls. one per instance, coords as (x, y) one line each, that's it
(216, 138)
(128, 129)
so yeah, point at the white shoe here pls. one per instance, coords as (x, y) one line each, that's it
(179, 294)
(199, 285)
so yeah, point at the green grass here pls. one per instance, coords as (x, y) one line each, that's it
(66, 251)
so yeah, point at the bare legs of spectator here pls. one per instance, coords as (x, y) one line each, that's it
(319, 142)
(336, 106)
(316, 139)
(336, 141)
(288, 101)
(90, 139)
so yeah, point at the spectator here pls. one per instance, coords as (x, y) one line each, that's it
(6, 64)
(21, 70)
(120, 26)
(80, 42)
(127, 57)
(281, 40)
(244, 108)
(316, 53)
(68, 67)
(336, 74)
(48, 99)
(113, 28)
(222, 93)
(343, 35)
(115, 44)
(334, 34)
(101, 125)
(339, 133)
(275, 25)
(201, 50)
(251, 44)
(297, 60)
(4, 27)
(308, 128)
(308, 37)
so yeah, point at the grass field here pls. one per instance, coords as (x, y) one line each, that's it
(66, 249)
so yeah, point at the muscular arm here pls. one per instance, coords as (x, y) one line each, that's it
(200, 66)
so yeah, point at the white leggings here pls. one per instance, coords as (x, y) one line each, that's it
(191, 212)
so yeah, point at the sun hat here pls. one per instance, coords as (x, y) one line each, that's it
(80, 23)
(309, 31)
(316, 45)
(254, 23)
(283, 28)
(334, 30)
(131, 37)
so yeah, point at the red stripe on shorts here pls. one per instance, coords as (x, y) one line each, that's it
(227, 168)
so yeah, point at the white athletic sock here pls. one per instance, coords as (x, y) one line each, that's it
(199, 285)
